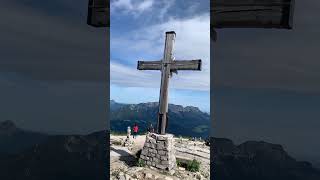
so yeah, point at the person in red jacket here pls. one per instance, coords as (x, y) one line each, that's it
(135, 130)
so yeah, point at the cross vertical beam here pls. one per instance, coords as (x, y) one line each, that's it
(165, 75)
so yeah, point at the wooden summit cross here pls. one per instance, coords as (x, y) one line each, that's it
(167, 66)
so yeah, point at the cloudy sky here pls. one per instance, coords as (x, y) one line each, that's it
(266, 84)
(52, 67)
(137, 33)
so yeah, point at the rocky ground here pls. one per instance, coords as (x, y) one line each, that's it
(123, 162)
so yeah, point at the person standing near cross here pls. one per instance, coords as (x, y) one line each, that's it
(167, 66)
(135, 131)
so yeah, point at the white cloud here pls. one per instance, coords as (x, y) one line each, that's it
(125, 4)
(192, 42)
(145, 5)
(129, 6)
(130, 76)
(163, 11)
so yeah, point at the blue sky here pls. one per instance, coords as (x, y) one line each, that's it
(137, 33)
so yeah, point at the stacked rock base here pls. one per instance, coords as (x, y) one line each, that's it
(158, 151)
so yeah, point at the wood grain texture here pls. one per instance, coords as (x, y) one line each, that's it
(98, 13)
(165, 75)
(252, 13)
(194, 65)
(149, 65)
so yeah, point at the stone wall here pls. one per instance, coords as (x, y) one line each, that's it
(158, 151)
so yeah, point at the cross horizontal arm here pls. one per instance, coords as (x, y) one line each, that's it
(149, 65)
(186, 65)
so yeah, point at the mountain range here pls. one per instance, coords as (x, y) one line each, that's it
(257, 160)
(36, 156)
(14, 139)
(184, 121)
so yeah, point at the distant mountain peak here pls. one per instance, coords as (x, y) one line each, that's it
(192, 108)
(253, 159)
(172, 107)
(149, 104)
(7, 126)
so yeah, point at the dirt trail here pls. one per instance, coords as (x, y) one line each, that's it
(138, 143)
(116, 151)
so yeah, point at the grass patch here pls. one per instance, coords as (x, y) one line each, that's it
(117, 143)
(118, 133)
(179, 163)
(192, 166)
(124, 133)
(141, 163)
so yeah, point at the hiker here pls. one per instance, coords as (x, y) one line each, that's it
(135, 130)
(150, 129)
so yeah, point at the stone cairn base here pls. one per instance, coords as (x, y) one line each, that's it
(158, 151)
